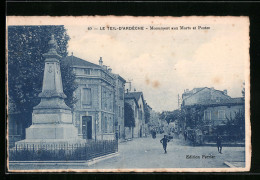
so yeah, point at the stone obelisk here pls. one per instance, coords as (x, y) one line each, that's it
(52, 118)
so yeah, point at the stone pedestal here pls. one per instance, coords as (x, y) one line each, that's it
(52, 118)
(51, 134)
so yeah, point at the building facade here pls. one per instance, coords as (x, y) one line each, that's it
(136, 100)
(95, 113)
(216, 108)
(119, 106)
(202, 95)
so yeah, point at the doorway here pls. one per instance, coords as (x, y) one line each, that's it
(87, 127)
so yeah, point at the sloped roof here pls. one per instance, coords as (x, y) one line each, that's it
(190, 93)
(135, 95)
(230, 101)
(120, 77)
(75, 61)
(200, 89)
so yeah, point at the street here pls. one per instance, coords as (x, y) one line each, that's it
(148, 153)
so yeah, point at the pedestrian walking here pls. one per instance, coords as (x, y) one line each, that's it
(192, 137)
(185, 135)
(154, 134)
(164, 141)
(219, 144)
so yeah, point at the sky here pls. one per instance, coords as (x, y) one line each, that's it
(163, 63)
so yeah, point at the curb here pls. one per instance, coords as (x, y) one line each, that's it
(75, 163)
(229, 164)
(224, 145)
(101, 158)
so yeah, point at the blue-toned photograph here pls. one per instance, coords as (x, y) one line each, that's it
(146, 94)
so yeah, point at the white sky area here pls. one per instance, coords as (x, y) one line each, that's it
(162, 64)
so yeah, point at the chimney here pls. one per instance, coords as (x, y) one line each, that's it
(109, 70)
(225, 91)
(100, 61)
(105, 67)
(126, 91)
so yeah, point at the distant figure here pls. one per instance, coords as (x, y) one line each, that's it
(185, 135)
(219, 145)
(164, 141)
(153, 132)
(192, 137)
(116, 135)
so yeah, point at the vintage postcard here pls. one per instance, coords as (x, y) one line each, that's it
(128, 94)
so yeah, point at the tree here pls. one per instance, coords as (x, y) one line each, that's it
(147, 114)
(129, 116)
(236, 125)
(193, 116)
(170, 116)
(69, 84)
(26, 45)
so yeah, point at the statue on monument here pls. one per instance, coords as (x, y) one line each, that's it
(52, 118)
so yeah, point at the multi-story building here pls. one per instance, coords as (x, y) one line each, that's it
(136, 100)
(119, 106)
(216, 105)
(95, 113)
(201, 95)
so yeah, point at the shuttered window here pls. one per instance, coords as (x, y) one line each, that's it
(87, 96)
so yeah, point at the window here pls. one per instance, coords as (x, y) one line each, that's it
(221, 114)
(207, 115)
(105, 99)
(104, 125)
(110, 130)
(110, 101)
(87, 71)
(87, 96)
(121, 93)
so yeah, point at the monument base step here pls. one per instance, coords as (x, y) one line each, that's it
(51, 131)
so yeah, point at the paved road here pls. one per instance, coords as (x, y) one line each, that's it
(148, 153)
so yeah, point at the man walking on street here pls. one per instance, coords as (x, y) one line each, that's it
(164, 141)
(185, 135)
(219, 144)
